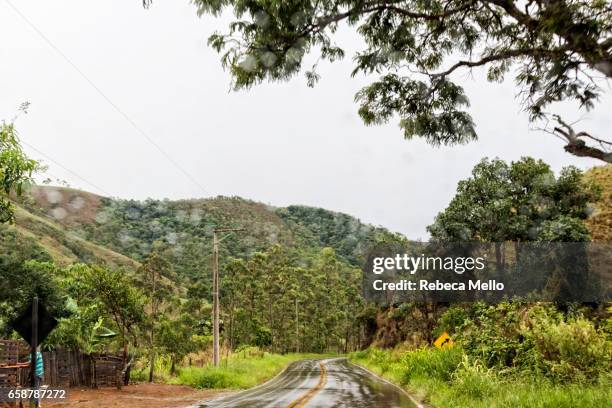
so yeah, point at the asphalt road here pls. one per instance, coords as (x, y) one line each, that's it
(319, 384)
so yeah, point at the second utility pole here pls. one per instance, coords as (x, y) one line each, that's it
(216, 241)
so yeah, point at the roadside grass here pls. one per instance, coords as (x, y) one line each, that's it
(447, 378)
(239, 372)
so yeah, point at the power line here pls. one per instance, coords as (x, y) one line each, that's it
(67, 169)
(107, 99)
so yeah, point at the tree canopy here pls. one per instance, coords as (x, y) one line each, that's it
(521, 201)
(555, 49)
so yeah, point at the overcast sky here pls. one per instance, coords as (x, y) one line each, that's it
(277, 143)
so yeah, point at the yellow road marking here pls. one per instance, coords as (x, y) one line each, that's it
(303, 400)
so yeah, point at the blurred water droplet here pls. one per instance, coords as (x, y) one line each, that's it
(249, 63)
(53, 196)
(181, 215)
(124, 236)
(261, 18)
(172, 238)
(195, 216)
(103, 217)
(59, 213)
(133, 213)
(76, 203)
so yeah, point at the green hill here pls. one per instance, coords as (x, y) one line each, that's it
(68, 225)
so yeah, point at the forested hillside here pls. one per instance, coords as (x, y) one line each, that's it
(276, 265)
(289, 281)
(75, 225)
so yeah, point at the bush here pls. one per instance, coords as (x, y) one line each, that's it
(571, 351)
(492, 333)
(198, 378)
(532, 337)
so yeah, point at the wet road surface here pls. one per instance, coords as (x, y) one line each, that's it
(321, 384)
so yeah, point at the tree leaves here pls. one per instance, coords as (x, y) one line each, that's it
(15, 170)
(416, 45)
(521, 201)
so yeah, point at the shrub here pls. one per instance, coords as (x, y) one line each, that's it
(570, 351)
(534, 338)
(493, 334)
(198, 378)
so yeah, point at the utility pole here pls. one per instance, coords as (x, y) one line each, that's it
(216, 308)
(297, 327)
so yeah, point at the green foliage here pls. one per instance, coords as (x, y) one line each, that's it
(493, 334)
(15, 170)
(427, 362)
(20, 283)
(181, 231)
(263, 337)
(349, 237)
(552, 48)
(261, 296)
(473, 380)
(532, 338)
(175, 338)
(279, 259)
(450, 378)
(522, 201)
(570, 351)
(101, 292)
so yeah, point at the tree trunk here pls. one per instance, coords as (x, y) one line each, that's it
(499, 261)
(173, 365)
(151, 366)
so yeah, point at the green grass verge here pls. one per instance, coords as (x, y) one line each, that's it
(448, 379)
(239, 373)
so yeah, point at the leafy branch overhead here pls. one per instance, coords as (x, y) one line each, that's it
(556, 50)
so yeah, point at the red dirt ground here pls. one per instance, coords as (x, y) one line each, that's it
(134, 396)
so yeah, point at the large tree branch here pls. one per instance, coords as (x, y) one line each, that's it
(577, 146)
(596, 54)
(503, 55)
(369, 7)
(582, 150)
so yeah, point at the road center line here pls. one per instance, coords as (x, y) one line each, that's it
(303, 400)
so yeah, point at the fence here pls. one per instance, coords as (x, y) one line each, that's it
(63, 368)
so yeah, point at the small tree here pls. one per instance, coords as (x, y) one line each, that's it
(153, 277)
(177, 338)
(15, 169)
(113, 293)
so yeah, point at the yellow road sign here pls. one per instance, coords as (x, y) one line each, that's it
(444, 341)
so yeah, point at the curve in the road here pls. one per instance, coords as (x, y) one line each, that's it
(330, 383)
(303, 400)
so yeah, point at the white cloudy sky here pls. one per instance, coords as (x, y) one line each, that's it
(278, 143)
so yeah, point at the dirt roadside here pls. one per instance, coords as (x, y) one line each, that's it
(134, 396)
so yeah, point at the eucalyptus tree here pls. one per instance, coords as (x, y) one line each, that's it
(155, 277)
